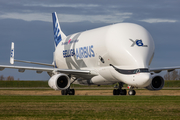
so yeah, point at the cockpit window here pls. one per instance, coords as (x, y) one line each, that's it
(144, 70)
(134, 71)
(127, 71)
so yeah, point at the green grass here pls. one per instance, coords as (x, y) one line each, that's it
(38, 84)
(24, 84)
(172, 83)
(168, 83)
(90, 107)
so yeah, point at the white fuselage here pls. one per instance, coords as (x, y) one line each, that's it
(126, 46)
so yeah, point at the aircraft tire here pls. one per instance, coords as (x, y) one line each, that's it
(132, 92)
(72, 92)
(63, 92)
(116, 92)
(123, 92)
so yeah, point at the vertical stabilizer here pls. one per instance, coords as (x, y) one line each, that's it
(58, 34)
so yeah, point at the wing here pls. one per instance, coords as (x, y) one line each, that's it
(41, 69)
(169, 69)
(50, 70)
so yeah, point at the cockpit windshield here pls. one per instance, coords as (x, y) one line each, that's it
(134, 71)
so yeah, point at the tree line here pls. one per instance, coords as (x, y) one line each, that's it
(174, 75)
(9, 78)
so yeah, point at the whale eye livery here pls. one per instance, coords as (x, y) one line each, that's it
(101, 56)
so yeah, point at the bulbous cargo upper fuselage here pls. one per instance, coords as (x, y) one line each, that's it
(125, 45)
(130, 46)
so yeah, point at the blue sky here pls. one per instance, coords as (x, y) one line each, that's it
(28, 23)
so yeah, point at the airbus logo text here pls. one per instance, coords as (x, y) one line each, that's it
(82, 52)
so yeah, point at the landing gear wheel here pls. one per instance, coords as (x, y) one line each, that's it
(68, 91)
(120, 91)
(123, 92)
(63, 92)
(132, 92)
(116, 92)
(71, 92)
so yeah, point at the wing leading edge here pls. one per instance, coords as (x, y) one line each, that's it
(41, 69)
(169, 69)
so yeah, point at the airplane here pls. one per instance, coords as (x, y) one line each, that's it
(118, 53)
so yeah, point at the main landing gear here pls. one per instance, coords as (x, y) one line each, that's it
(121, 91)
(68, 91)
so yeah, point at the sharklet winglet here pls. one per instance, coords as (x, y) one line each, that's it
(12, 53)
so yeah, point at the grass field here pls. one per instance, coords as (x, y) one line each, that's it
(168, 83)
(89, 107)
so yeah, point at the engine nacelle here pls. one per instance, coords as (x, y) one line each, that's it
(59, 82)
(156, 84)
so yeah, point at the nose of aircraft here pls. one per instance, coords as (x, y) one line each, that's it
(143, 79)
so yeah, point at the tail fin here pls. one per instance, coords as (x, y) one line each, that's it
(58, 34)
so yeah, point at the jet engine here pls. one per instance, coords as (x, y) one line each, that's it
(59, 82)
(157, 83)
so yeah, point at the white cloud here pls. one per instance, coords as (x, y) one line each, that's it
(119, 17)
(64, 5)
(27, 16)
(111, 18)
(157, 20)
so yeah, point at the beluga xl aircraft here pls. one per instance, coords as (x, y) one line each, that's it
(119, 53)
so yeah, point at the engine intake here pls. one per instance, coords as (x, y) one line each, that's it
(156, 84)
(59, 82)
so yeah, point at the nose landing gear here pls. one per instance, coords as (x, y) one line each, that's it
(131, 91)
